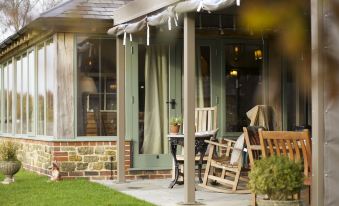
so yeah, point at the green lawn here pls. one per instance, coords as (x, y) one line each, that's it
(30, 189)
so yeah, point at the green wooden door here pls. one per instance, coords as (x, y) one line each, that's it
(137, 82)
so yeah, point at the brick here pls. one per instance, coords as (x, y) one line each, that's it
(142, 177)
(99, 150)
(75, 158)
(164, 172)
(63, 143)
(85, 150)
(97, 166)
(63, 174)
(68, 166)
(76, 174)
(106, 173)
(82, 166)
(67, 149)
(56, 149)
(91, 173)
(60, 159)
(60, 154)
(85, 143)
(93, 143)
(91, 158)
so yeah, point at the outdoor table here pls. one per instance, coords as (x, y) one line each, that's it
(200, 147)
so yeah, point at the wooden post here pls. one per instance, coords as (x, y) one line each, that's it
(121, 109)
(318, 133)
(189, 107)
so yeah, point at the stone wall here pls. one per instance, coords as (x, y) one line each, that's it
(83, 159)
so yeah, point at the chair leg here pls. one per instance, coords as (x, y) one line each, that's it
(236, 180)
(254, 200)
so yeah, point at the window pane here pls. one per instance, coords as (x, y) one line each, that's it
(96, 114)
(18, 96)
(41, 90)
(243, 84)
(5, 115)
(49, 86)
(10, 98)
(31, 91)
(24, 93)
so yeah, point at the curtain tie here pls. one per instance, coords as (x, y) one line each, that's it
(130, 37)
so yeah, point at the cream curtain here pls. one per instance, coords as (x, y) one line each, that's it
(156, 93)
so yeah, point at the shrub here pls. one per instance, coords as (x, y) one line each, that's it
(8, 151)
(276, 177)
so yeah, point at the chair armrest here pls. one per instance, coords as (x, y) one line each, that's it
(217, 144)
(229, 140)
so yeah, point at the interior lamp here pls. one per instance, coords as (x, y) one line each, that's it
(233, 73)
(258, 54)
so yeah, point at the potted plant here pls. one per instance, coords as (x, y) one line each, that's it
(175, 125)
(9, 164)
(279, 179)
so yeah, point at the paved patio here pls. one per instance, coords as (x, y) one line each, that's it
(157, 192)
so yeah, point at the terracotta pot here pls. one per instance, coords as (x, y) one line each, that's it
(174, 129)
(280, 203)
(9, 169)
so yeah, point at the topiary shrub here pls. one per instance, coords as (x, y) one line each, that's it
(277, 177)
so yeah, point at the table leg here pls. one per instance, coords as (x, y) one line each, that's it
(176, 163)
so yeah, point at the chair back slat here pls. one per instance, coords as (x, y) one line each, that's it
(294, 145)
(205, 119)
(290, 149)
(252, 141)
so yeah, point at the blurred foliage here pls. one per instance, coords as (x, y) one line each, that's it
(288, 19)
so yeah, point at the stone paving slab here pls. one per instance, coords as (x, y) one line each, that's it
(158, 193)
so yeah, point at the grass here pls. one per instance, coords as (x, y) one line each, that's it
(29, 189)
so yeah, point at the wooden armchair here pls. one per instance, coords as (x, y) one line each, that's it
(295, 145)
(231, 173)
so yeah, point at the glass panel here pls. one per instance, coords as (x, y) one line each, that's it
(24, 93)
(243, 83)
(5, 115)
(31, 91)
(204, 78)
(10, 98)
(49, 87)
(41, 90)
(18, 97)
(96, 114)
(108, 88)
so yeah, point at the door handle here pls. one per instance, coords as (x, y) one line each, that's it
(172, 103)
